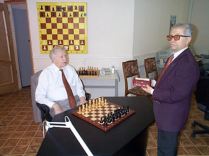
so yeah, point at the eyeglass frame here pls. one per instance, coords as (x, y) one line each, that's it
(170, 37)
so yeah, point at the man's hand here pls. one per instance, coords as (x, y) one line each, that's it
(82, 100)
(148, 89)
(57, 109)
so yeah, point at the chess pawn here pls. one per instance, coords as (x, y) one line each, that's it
(105, 101)
(102, 101)
(83, 108)
(99, 102)
(93, 105)
(98, 71)
(79, 110)
(87, 108)
(96, 104)
(81, 71)
(88, 71)
(90, 107)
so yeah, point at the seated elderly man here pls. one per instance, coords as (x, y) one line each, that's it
(59, 86)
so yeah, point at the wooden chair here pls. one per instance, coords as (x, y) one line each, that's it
(130, 69)
(151, 68)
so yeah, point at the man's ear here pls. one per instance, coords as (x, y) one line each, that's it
(189, 39)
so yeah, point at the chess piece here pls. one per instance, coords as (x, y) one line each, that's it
(83, 107)
(79, 110)
(105, 101)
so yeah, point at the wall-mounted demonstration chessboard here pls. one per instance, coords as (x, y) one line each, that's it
(64, 24)
(102, 113)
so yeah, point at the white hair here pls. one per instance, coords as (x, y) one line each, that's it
(54, 51)
(187, 28)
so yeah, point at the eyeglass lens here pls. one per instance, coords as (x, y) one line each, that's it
(175, 37)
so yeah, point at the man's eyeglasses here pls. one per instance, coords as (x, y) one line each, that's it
(175, 37)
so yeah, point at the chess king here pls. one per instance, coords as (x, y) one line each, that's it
(51, 89)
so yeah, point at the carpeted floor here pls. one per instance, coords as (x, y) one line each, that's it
(21, 136)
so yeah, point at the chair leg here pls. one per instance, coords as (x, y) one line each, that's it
(195, 132)
(200, 125)
(205, 129)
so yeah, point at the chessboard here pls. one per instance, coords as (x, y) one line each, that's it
(64, 24)
(88, 72)
(102, 113)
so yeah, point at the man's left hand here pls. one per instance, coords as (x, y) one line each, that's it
(148, 89)
(82, 100)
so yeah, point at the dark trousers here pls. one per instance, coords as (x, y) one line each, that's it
(167, 143)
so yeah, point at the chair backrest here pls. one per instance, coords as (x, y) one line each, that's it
(130, 69)
(151, 68)
(34, 83)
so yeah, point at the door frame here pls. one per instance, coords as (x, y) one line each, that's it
(11, 86)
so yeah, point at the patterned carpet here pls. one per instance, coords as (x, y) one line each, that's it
(21, 136)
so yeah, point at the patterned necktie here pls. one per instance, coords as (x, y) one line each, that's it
(168, 62)
(71, 97)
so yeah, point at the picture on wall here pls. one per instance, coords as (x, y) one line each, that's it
(64, 24)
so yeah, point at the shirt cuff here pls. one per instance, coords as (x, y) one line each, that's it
(152, 90)
(153, 83)
(49, 104)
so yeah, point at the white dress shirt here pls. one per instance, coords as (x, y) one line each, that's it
(51, 88)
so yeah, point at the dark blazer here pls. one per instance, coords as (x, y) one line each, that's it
(172, 94)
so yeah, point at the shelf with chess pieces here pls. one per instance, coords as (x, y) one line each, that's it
(102, 113)
(88, 72)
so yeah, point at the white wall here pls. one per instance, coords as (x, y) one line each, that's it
(110, 34)
(200, 18)
(152, 22)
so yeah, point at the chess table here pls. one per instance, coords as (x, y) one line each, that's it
(127, 138)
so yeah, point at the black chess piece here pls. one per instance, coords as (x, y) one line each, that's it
(105, 123)
(113, 117)
(110, 119)
(101, 120)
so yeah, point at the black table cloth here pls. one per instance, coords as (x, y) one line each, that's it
(127, 138)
